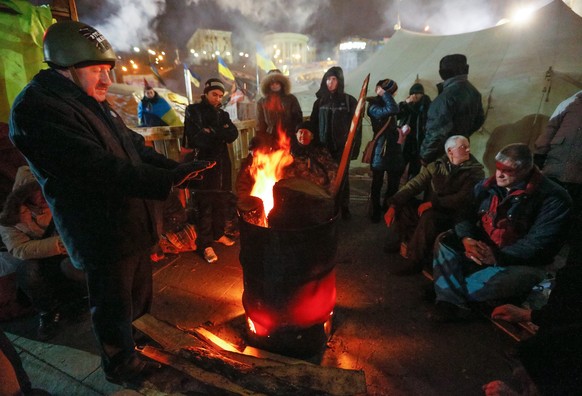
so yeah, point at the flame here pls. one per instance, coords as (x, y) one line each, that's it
(267, 169)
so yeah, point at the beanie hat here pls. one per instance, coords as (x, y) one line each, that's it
(388, 85)
(416, 88)
(146, 85)
(304, 125)
(453, 65)
(213, 83)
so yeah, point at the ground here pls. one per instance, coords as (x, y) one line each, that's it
(379, 324)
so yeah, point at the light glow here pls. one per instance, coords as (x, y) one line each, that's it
(523, 14)
(352, 45)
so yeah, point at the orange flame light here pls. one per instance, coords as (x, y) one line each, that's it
(267, 169)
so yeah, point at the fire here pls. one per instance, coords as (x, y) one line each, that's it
(267, 169)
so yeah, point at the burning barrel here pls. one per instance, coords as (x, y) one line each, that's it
(289, 271)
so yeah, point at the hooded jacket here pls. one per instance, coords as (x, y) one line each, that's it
(332, 115)
(277, 108)
(97, 175)
(23, 227)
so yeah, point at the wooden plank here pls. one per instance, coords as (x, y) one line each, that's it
(216, 384)
(281, 374)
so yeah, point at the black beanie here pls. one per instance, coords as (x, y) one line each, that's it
(416, 88)
(388, 85)
(213, 83)
(453, 65)
(304, 125)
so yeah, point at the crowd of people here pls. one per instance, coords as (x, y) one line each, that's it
(81, 221)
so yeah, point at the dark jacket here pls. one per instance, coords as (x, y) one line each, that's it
(277, 108)
(536, 213)
(331, 117)
(387, 151)
(457, 110)
(561, 144)
(414, 115)
(450, 187)
(96, 174)
(210, 146)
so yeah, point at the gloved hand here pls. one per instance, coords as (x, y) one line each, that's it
(389, 216)
(190, 171)
(423, 207)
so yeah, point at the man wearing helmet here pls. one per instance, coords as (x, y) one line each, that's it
(98, 178)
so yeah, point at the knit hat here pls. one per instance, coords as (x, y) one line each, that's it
(453, 65)
(213, 83)
(388, 85)
(416, 88)
(304, 125)
(146, 85)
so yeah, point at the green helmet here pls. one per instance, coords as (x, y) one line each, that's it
(72, 43)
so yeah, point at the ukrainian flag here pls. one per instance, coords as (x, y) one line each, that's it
(224, 70)
(194, 77)
(263, 60)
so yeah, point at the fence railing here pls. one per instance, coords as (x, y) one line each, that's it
(167, 140)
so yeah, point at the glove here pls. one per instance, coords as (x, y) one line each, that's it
(190, 171)
(389, 216)
(423, 207)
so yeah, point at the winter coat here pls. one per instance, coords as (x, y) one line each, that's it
(561, 144)
(23, 227)
(156, 112)
(387, 151)
(450, 187)
(313, 163)
(331, 117)
(96, 174)
(414, 115)
(210, 146)
(535, 216)
(277, 108)
(457, 110)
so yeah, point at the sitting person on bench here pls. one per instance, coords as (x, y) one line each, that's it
(518, 225)
(551, 359)
(448, 186)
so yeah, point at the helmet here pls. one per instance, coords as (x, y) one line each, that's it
(72, 43)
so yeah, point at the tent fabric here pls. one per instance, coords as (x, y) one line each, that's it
(520, 69)
(21, 33)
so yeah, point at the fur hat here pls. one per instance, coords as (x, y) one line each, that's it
(388, 85)
(212, 84)
(453, 65)
(416, 88)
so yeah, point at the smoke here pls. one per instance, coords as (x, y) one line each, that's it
(129, 23)
(126, 23)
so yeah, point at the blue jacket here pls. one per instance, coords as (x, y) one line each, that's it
(387, 152)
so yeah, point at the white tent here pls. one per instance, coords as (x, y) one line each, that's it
(521, 70)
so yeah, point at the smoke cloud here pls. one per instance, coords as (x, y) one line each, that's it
(129, 23)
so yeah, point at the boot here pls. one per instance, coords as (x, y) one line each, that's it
(48, 325)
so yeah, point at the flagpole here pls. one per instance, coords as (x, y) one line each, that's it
(188, 84)
(257, 73)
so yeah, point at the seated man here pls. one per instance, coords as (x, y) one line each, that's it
(449, 182)
(44, 271)
(518, 225)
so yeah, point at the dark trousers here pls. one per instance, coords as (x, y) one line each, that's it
(214, 209)
(378, 206)
(420, 232)
(15, 363)
(46, 284)
(119, 293)
(575, 235)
